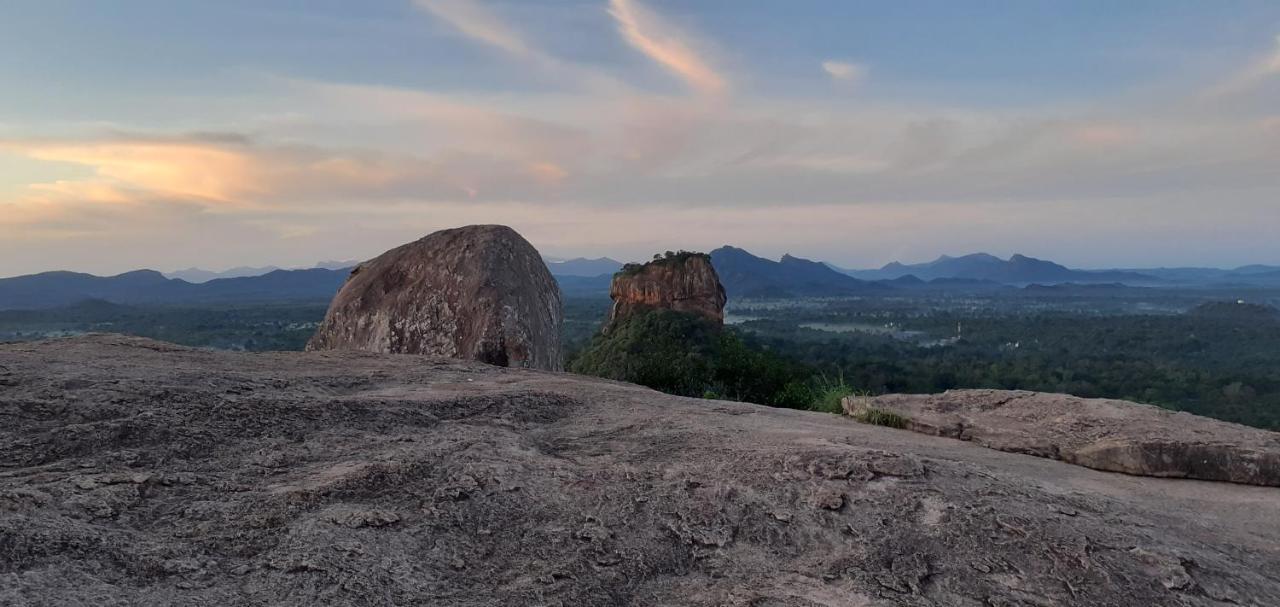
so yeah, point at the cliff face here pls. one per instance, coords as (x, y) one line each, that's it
(684, 283)
(476, 292)
(134, 472)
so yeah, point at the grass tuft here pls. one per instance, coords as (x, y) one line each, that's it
(828, 395)
(880, 417)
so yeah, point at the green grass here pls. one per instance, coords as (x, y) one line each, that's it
(829, 394)
(880, 417)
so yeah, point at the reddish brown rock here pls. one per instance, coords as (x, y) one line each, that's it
(1110, 435)
(683, 282)
(476, 292)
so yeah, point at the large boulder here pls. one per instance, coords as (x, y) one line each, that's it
(476, 292)
(1111, 435)
(684, 282)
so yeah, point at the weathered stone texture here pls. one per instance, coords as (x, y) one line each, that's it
(139, 473)
(1111, 435)
(687, 283)
(477, 292)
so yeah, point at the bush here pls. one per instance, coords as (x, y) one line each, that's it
(687, 355)
(828, 395)
(663, 350)
(880, 417)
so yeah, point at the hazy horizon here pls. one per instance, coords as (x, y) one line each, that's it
(1094, 134)
(626, 259)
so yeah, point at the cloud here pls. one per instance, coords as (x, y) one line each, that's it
(844, 70)
(478, 23)
(547, 173)
(661, 42)
(208, 172)
(1103, 135)
(585, 167)
(482, 25)
(1253, 75)
(551, 127)
(185, 169)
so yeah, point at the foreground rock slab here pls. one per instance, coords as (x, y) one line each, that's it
(476, 292)
(1111, 435)
(134, 472)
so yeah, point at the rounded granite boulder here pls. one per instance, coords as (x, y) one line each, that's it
(477, 292)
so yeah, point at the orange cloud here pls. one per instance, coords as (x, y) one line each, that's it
(547, 173)
(657, 40)
(87, 191)
(1103, 135)
(184, 170)
(476, 22)
(207, 171)
(480, 24)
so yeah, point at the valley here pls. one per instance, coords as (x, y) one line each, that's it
(1144, 345)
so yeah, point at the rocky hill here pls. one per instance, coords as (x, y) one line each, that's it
(746, 275)
(683, 282)
(475, 292)
(135, 472)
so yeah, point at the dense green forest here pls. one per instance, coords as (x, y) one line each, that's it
(1220, 359)
(250, 327)
(1210, 367)
(690, 356)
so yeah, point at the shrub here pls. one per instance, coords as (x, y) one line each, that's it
(687, 355)
(828, 395)
(670, 258)
(880, 417)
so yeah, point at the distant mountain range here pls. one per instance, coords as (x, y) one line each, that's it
(743, 274)
(56, 289)
(198, 275)
(746, 275)
(1017, 270)
(582, 266)
(1253, 274)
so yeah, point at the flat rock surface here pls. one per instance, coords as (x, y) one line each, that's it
(1112, 435)
(134, 472)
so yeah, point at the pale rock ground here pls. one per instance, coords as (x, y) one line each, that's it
(1104, 434)
(134, 472)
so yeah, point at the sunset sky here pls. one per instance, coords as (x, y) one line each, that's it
(174, 133)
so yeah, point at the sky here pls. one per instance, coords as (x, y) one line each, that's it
(162, 134)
